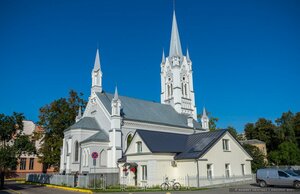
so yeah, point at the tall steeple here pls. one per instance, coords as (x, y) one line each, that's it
(97, 74)
(177, 77)
(175, 45)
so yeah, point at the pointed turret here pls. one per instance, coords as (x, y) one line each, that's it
(188, 55)
(163, 59)
(204, 120)
(116, 104)
(78, 117)
(97, 74)
(116, 96)
(97, 65)
(175, 45)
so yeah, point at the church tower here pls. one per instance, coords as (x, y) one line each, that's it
(177, 77)
(97, 75)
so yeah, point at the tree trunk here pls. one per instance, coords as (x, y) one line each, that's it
(1, 179)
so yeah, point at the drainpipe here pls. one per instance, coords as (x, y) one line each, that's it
(198, 178)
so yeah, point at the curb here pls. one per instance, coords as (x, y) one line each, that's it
(69, 189)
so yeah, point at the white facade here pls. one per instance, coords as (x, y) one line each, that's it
(162, 165)
(110, 121)
(177, 77)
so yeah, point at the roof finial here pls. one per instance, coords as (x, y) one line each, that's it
(187, 55)
(116, 96)
(174, 5)
(97, 61)
(163, 60)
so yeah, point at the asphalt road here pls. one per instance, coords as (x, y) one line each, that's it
(15, 188)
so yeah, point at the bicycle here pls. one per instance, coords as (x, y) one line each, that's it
(167, 184)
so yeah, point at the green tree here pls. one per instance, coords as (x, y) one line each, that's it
(296, 122)
(287, 154)
(263, 130)
(55, 118)
(13, 143)
(285, 127)
(258, 157)
(232, 131)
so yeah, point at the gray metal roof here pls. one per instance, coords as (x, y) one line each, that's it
(88, 123)
(101, 136)
(142, 110)
(199, 143)
(186, 146)
(163, 142)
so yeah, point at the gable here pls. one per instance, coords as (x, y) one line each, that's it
(236, 151)
(132, 148)
(96, 109)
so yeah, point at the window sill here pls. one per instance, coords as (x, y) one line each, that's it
(227, 150)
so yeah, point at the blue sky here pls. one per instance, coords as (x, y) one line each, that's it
(245, 53)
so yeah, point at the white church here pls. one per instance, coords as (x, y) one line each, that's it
(143, 141)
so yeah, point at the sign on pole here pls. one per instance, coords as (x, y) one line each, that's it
(94, 155)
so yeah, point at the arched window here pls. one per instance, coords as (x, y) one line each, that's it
(185, 89)
(169, 91)
(129, 139)
(76, 151)
(182, 88)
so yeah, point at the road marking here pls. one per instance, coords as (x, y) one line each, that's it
(14, 191)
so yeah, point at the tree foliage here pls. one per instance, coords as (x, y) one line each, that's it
(287, 154)
(13, 143)
(55, 118)
(282, 138)
(232, 131)
(258, 157)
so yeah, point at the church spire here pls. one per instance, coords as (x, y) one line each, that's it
(175, 45)
(97, 75)
(97, 62)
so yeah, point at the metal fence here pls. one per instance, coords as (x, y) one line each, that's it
(54, 179)
(92, 181)
(188, 181)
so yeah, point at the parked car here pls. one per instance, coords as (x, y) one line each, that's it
(277, 177)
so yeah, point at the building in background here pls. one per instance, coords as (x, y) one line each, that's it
(261, 145)
(30, 163)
